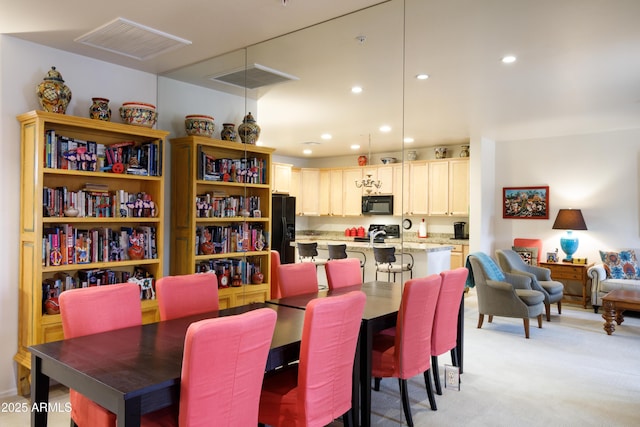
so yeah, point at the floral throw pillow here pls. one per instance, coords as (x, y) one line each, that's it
(621, 264)
(528, 255)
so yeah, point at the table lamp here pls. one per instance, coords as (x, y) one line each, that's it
(569, 219)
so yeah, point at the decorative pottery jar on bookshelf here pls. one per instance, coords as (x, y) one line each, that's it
(53, 94)
(228, 132)
(99, 109)
(249, 130)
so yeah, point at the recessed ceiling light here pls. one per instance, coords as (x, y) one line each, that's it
(307, 151)
(408, 140)
(509, 59)
(355, 146)
(356, 89)
(385, 128)
(325, 136)
(422, 76)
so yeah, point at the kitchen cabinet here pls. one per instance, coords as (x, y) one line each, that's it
(295, 189)
(352, 195)
(401, 189)
(281, 173)
(330, 192)
(418, 188)
(459, 255)
(309, 189)
(449, 187)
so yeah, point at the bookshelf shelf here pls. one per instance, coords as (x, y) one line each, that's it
(51, 180)
(238, 179)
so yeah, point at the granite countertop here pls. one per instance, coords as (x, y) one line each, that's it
(408, 243)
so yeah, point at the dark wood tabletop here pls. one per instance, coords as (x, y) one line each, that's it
(137, 370)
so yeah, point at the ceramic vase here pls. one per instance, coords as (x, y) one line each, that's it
(228, 132)
(412, 155)
(99, 109)
(249, 130)
(441, 152)
(465, 151)
(53, 94)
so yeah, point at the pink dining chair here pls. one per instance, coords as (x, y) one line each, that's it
(182, 296)
(298, 278)
(222, 371)
(343, 272)
(445, 322)
(317, 390)
(405, 354)
(275, 277)
(92, 310)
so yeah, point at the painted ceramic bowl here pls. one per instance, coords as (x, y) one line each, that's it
(139, 114)
(387, 160)
(199, 125)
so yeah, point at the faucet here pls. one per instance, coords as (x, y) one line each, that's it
(373, 235)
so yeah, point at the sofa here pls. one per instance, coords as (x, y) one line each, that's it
(618, 269)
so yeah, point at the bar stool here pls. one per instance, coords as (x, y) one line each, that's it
(308, 252)
(340, 252)
(386, 262)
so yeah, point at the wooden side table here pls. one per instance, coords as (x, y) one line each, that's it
(569, 274)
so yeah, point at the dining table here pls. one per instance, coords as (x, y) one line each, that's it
(380, 312)
(136, 370)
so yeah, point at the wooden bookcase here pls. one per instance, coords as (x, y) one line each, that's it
(189, 156)
(38, 223)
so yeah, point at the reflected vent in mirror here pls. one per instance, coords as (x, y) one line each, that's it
(131, 39)
(253, 77)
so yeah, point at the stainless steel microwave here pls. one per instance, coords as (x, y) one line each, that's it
(377, 205)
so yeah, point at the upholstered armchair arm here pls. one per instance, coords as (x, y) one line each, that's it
(518, 281)
(541, 273)
(597, 274)
(534, 280)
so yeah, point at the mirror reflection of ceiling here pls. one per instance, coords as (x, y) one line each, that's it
(576, 69)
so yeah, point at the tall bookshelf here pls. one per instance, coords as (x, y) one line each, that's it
(58, 252)
(217, 189)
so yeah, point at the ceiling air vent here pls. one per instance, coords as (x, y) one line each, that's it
(131, 39)
(253, 77)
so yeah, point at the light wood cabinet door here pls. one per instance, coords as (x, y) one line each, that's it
(324, 192)
(352, 195)
(336, 203)
(439, 188)
(418, 188)
(281, 174)
(459, 187)
(385, 175)
(401, 189)
(295, 189)
(309, 185)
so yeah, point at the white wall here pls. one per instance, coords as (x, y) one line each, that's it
(597, 173)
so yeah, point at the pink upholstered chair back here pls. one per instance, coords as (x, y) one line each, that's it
(343, 272)
(329, 339)
(92, 310)
(223, 368)
(298, 278)
(414, 326)
(181, 296)
(275, 277)
(98, 309)
(530, 243)
(445, 321)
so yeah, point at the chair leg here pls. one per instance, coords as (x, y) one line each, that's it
(347, 418)
(540, 321)
(454, 357)
(432, 399)
(480, 320)
(404, 394)
(559, 307)
(490, 318)
(436, 375)
(376, 384)
(526, 327)
(547, 309)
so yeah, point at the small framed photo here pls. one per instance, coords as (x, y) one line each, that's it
(257, 213)
(552, 257)
(525, 202)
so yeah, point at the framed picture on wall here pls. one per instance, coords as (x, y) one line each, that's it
(525, 202)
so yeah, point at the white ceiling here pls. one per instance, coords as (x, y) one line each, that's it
(578, 67)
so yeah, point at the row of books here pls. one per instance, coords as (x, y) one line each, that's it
(251, 170)
(230, 238)
(98, 203)
(63, 152)
(66, 244)
(229, 271)
(210, 206)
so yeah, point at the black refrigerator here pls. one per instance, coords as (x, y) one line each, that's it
(283, 226)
